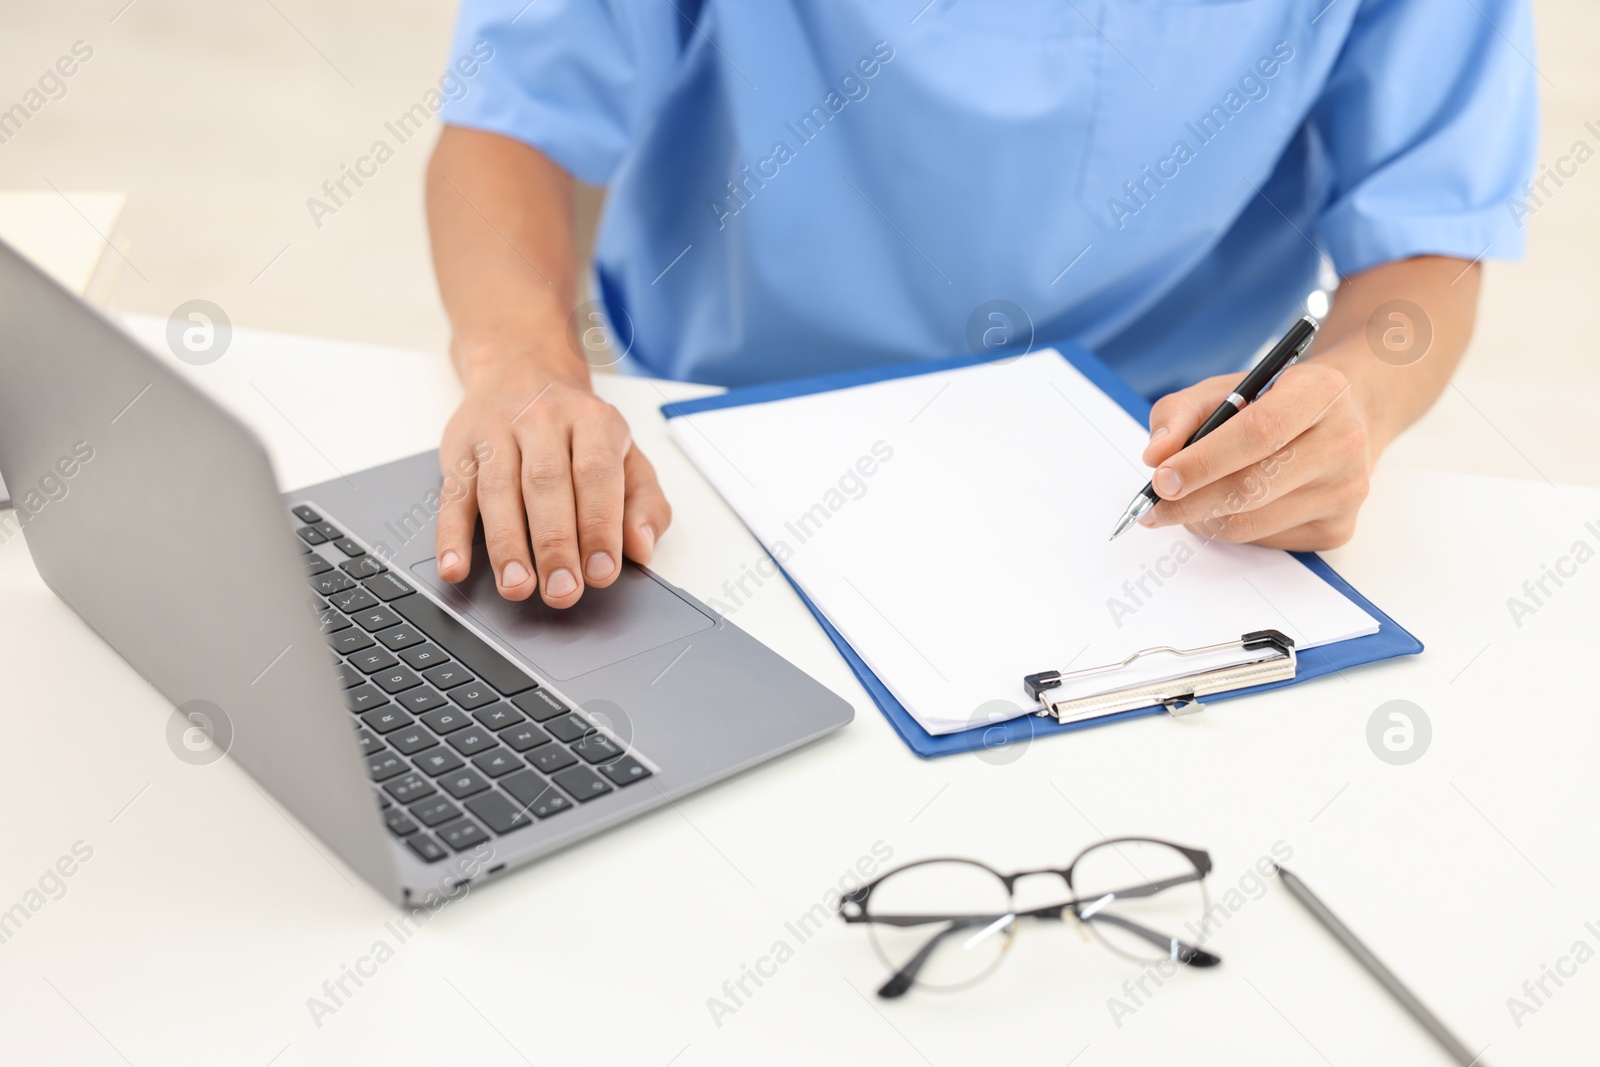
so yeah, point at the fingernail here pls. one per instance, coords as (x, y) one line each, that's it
(649, 536)
(1148, 519)
(599, 567)
(561, 584)
(514, 574)
(1167, 482)
(1157, 434)
(448, 560)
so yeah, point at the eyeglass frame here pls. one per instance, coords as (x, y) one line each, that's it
(1084, 911)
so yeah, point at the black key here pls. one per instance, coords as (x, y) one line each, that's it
(463, 783)
(471, 741)
(445, 720)
(412, 739)
(448, 675)
(317, 565)
(426, 847)
(423, 657)
(332, 620)
(473, 695)
(422, 698)
(384, 802)
(372, 660)
(328, 530)
(368, 741)
(535, 794)
(552, 758)
(435, 811)
(349, 641)
(464, 645)
(372, 617)
(387, 720)
(498, 716)
(625, 770)
(501, 814)
(387, 587)
(540, 705)
(363, 697)
(305, 549)
(524, 737)
(349, 547)
(348, 676)
(331, 581)
(351, 601)
(570, 727)
(409, 786)
(497, 762)
(386, 765)
(305, 514)
(462, 834)
(397, 637)
(310, 535)
(362, 566)
(396, 679)
(581, 782)
(439, 761)
(596, 748)
(400, 823)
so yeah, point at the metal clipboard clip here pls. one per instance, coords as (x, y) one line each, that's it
(1263, 656)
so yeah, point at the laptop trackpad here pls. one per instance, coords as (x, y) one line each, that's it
(634, 614)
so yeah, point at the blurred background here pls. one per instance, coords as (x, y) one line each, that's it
(217, 122)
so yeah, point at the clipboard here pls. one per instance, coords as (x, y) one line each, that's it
(1390, 641)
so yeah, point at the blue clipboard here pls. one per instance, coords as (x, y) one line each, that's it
(1390, 641)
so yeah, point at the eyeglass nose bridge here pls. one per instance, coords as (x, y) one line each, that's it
(1011, 880)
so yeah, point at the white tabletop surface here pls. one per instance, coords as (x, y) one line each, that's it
(204, 920)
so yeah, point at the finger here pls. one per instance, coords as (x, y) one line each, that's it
(551, 515)
(504, 523)
(1280, 415)
(458, 511)
(1252, 527)
(1177, 415)
(1258, 485)
(1319, 536)
(645, 511)
(599, 441)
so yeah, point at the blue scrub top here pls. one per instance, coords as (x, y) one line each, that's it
(806, 186)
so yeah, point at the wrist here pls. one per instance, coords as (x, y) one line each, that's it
(492, 362)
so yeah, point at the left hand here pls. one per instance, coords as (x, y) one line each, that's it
(1289, 471)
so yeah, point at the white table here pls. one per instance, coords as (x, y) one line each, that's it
(205, 920)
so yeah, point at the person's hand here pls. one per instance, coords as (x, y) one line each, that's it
(562, 489)
(1289, 471)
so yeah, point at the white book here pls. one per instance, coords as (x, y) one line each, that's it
(953, 526)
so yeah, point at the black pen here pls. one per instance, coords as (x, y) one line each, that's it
(1273, 364)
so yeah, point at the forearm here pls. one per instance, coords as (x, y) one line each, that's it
(500, 218)
(1393, 379)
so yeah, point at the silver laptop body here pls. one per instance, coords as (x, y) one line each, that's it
(154, 514)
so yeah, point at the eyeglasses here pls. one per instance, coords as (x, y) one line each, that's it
(946, 924)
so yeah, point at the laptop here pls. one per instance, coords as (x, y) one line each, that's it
(408, 722)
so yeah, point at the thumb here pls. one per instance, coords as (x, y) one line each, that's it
(1177, 415)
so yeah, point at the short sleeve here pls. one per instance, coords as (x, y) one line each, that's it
(576, 79)
(1429, 121)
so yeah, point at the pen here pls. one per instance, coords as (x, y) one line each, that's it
(1274, 363)
(1396, 989)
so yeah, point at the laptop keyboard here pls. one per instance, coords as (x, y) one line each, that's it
(461, 744)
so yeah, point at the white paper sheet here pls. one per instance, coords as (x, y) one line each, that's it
(953, 527)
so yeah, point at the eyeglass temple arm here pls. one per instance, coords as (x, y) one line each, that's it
(1147, 890)
(906, 976)
(1181, 951)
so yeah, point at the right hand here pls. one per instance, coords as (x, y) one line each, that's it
(563, 491)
